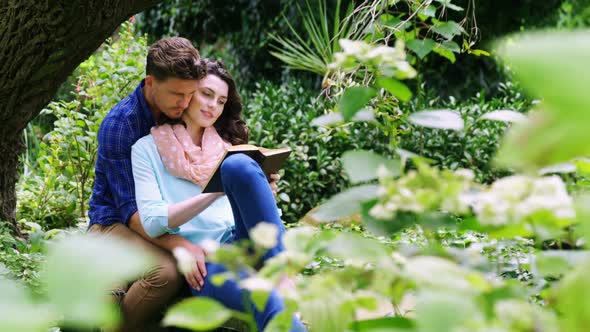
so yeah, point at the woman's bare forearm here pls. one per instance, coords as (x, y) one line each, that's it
(184, 211)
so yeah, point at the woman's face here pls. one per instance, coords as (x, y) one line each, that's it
(207, 103)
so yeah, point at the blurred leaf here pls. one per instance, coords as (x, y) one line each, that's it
(325, 314)
(353, 99)
(198, 314)
(449, 276)
(550, 266)
(336, 118)
(421, 46)
(439, 119)
(561, 168)
(344, 204)
(437, 310)
(361, 165)
(554, 66)
(477, 52)
(386, 324)
(19, 313)
(81, 270)
(395, 87)
(504, 116)
(571, 295)
(448, 4)
(355, 247)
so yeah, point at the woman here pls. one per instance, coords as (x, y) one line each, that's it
(170, 167)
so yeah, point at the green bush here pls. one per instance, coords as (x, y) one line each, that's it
(473, 147)
(281, 116)
(57, 184)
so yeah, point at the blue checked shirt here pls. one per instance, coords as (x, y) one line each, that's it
(113, 195)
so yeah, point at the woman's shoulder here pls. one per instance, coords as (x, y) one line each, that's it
(145, 143)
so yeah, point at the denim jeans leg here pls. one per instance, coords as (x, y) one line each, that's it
(251, 198)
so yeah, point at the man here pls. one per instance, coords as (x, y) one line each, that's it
(173, 68)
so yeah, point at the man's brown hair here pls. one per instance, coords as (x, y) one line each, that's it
(174, 57)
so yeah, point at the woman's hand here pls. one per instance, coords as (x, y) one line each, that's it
(274, 178)
(196, 278)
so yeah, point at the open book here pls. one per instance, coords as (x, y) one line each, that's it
(270, 160)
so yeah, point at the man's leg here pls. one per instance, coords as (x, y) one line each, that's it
(145, 299)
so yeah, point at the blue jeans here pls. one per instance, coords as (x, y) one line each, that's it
(252, 201)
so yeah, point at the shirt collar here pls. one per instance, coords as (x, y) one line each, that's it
(145, 110)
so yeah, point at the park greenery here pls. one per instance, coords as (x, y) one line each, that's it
(412, 203)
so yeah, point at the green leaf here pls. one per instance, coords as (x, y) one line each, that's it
(336, 118)
(561, 168)
(555, 263)
(504, 116)
(197, 313)
(19, 313)
(448, 4)
(571, 295)
(477, 52)
(344, 204)
(395, 87)
(361, 165)
(355, 247)
(439, 119)
(259, 297)
(437, 310)
(281, 322)
(451, 46)
(421, 46)
(427, 12)
(448, 29)
(80, 270)
(353, 99)
(553, 66)
(445, 53)
(386, 324)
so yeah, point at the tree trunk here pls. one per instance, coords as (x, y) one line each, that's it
(41, 43)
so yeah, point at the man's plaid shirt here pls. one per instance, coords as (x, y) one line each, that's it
(113, 195)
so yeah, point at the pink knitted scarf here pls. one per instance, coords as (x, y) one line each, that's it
(182, 158)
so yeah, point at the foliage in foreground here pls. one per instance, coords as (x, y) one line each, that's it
(428, 286)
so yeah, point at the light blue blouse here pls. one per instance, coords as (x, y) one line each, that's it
(156, 188)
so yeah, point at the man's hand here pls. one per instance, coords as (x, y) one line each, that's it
(196, 278)
(274, 178)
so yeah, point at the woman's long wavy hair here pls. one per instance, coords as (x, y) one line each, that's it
(229, 125)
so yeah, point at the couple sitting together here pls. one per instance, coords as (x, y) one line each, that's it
(155, 150)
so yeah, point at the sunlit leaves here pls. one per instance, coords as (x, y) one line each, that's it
(438, 119)
(504, 116)
(395, 87)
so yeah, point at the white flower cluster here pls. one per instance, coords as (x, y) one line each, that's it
(516, 198)
(424, 190)
(512, 199)
(390, 61)
(265, 235)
